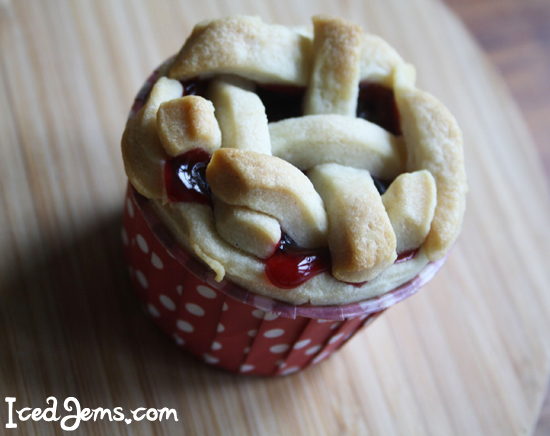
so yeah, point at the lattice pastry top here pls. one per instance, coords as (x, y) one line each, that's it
(303, 164)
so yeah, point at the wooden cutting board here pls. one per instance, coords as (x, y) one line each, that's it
(468, 355)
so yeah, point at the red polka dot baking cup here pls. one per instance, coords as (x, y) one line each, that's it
(227, 326)
(223, 324)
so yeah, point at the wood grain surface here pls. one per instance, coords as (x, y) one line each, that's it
(468, 355)
(515, 36)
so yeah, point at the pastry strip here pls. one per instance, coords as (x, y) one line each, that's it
(316, 139)
(410, 203)
(253, 232)
(187, 123)
(361, 239)
(270, 185)
(240, 114)
(337, 47)
(245, 46)
(434, 143)
(142, 150)
(378, 60)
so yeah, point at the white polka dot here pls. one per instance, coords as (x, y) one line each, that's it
(210, 359)
(258, 314)
(246, 368)
(335, 338)
(279, 348)
(130, 207)
(206, 292)
(178, 340)
(290, 370)
(179, 289)
(301, 344)
(185, 326)
(246, 350)
(125, 240)
(313, 350)
(269, 316)
(221, 328)
(322, 320)
(252, 333)
(225, 307)
(157, 263)
(216, 346)
(153, 310)
(142, 243)
(335, 325)
(274, 333)
(280, 363)
(320, 357)
(142, 279)
(194, 309)
(167, 302)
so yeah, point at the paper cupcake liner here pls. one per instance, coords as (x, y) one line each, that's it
(222, 323)
(226, 325)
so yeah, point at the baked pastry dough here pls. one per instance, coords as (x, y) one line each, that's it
(141, 146)
(187, 123)
(315, 139)
(410, 204)
(306, 183)
(251, 231)
(273, 186)
(241, 115)
(434, 143)
(361, 238)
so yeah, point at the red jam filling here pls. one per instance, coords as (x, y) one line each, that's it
(406, 255)
(185, 177)
(381, 185)
(291, 265)
(281, 101)
(195, 86)
(376, 103)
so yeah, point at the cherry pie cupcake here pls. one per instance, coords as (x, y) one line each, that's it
(286, 186)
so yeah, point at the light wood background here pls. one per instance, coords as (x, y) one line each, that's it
(469, 355)
(515, 36)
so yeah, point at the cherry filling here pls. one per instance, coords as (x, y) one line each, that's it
(281, 101)
(381, 185)
(291, 265)
(376, 103)
(195, 86)
(185, 177)
(406, 255)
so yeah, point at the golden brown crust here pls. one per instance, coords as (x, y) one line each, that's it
(333, 86)
(142, 150)
(434, 143)
(316, 139)
(240, 114)
(361, 239)
(252, 232)
(410, 203)
(247, 47)
(186, 123)
(378, 60)
(270, 185)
